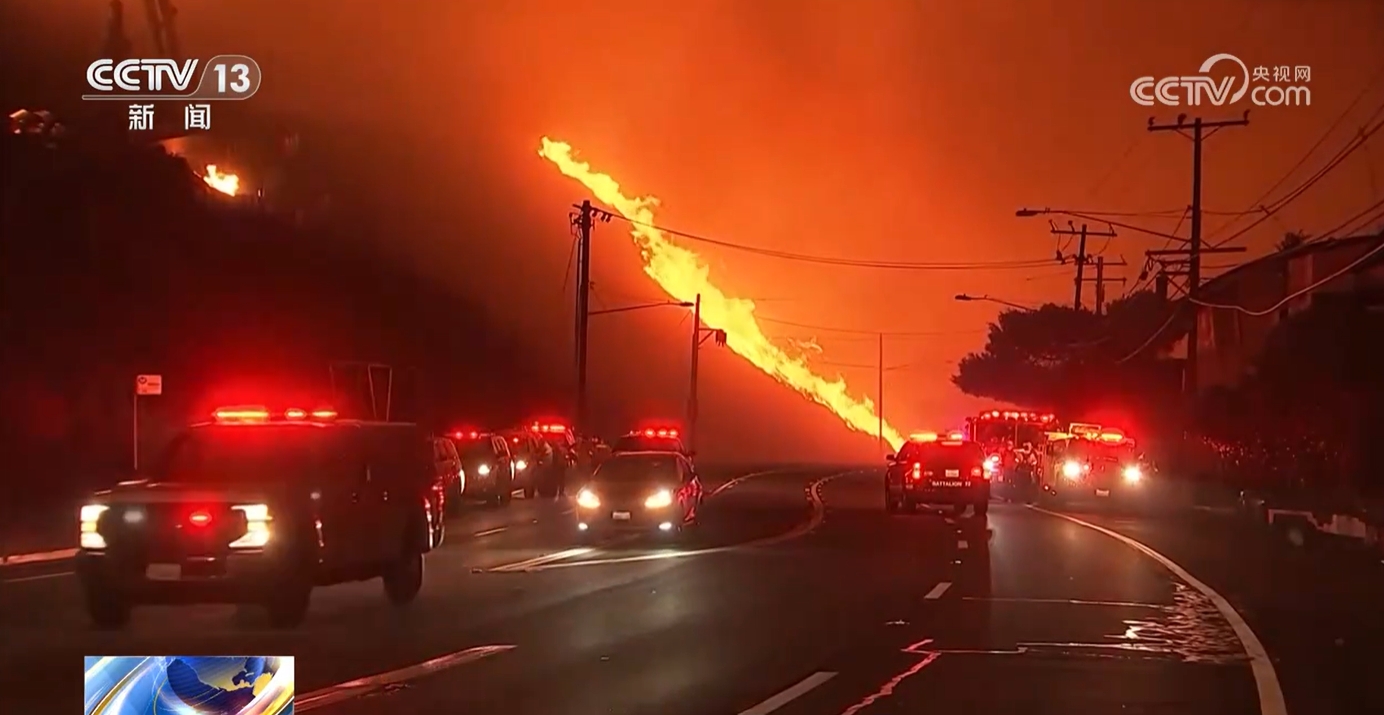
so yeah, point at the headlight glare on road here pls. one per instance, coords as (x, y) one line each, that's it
(483, 470)
(587, 499)
(1133, 473)
(659, 499)
(1071, 470)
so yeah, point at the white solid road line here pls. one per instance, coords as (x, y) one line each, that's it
(790, 694)
(740, 479)
(490, 532)
(938, 590)
(543, 559)
(43, 577)
(370, 684)
(1271, 700)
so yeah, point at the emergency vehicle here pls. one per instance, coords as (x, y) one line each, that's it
(261, 506)
(1095, 465)
(1013, 442)
(933, 470)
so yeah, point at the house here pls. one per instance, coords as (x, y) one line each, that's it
(1230, 341)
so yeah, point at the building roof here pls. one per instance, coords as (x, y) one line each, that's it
(1278, 258)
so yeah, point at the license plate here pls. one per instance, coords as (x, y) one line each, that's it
(1102, 492)
(164, 572)
(953, 473)
(621, 516)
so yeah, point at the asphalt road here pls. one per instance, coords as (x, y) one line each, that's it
(798, 595)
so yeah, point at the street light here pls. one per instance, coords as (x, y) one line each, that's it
(626, 309)
(985, 298)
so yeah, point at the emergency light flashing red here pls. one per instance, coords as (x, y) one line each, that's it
(548, 429)
(1021, 416)
(261, 414)
(666, 433)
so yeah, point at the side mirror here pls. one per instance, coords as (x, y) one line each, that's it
(891, 457)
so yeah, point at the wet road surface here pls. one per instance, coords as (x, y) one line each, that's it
(797, 595)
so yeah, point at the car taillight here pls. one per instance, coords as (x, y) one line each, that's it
(917, 470)
(979, 472)
(201, 517)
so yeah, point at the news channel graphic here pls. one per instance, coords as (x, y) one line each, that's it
(141, 83)
(188, 685)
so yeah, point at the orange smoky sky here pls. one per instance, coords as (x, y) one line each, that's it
(880, 130)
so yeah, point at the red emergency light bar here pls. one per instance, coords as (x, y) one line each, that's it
(548, 429)
(255, 415)
(1020, 416)
(651, 432)
(466, 434)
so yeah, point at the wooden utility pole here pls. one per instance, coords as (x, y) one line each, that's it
(1081, 258)
(1198, 134)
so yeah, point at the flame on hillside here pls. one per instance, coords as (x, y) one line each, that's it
(683, 275)
(228, 184)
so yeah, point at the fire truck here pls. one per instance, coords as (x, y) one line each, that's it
(1091, 462)
(1014, 442)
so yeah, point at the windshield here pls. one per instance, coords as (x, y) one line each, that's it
(246, 454)
(1091, 450)
(964, 454)
(637, 469)
(640, 443)
(991, 431)
(478, 451)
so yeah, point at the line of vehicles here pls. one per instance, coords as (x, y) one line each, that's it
(1019, 456)
(261, 506)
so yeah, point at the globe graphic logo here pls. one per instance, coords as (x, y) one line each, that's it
(215, 685)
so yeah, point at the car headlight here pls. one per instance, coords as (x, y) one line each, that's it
(520, 465)
(659, 499)
(89, 516)
(1071, 469)
(587, 499)
(1133, 473)
(483, 470)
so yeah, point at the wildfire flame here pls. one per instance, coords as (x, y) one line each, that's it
(682, 275)
(228, 184)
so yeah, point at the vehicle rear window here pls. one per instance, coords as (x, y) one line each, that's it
(964, 454)
(247, 454)
(637, 468)
(633, 443)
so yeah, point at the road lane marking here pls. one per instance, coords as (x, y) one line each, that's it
(790, 694)
(740, 479)
(490, 532)
(364, 686)
(43, 577)
(37, 557)
(1271, 700)
(1071, 602)
(543, 559)
(818, 516)
(938, 590)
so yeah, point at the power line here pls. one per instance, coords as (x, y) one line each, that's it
(1298, 293)
(872, 333)
(1331, 129)
(846, 262)
(1351, 147)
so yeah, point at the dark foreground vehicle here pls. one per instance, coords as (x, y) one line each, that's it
(261, 508)
(947, 472)
(642, 491)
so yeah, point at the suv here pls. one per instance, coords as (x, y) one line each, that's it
(950, 472)
(488, 468)
(254, 508)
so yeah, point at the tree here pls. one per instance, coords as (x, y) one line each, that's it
(1073, 361)
(1291, 240)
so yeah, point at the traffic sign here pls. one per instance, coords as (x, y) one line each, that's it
(149, 384)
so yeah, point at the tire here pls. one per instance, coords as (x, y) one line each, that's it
(529, 492)
(289, 607)
(108, 611)
(403, 579)
(909, 507)
(891, 506)
(982, 508)
(959, 509)
(507, 493)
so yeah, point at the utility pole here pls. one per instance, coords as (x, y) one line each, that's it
(1101, 280)
(699, 336)
(1081, 258)
(879, 409)
(584, 220)
(1194, 250)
